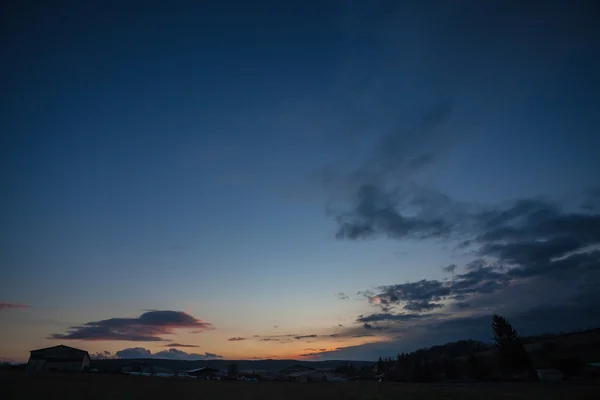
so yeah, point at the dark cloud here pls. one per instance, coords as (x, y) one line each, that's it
(536, 263)
(236, 339)
(376, 213)
(148, 327)
(134, 352)
(421, 306)
(412, 294)
(305, 336)
(171, 354)
(389, 317)
(180, 345)
(4, 305)
(528, 239)
(342, 296)
(375, 327)
(449, 268)
(383, 200)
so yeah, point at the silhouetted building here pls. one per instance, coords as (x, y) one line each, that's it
(58, 358)
(202, 372)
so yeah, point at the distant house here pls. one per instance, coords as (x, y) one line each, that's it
(202, 372)
(58, 358)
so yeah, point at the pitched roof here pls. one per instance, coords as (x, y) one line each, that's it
(60, 346)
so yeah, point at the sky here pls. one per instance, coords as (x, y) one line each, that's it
(309, 180)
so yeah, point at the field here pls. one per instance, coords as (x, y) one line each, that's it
(19, 385)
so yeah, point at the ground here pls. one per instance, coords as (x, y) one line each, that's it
(19, 385)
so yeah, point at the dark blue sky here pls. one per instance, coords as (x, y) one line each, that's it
(229, 159)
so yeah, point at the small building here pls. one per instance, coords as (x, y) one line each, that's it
(549, 375)
(202, 372)
(58, 358)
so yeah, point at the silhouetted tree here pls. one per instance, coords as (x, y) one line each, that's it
(232, 370)
(380, 366)
(510, 351)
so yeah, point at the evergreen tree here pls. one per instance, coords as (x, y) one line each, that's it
(510, 351)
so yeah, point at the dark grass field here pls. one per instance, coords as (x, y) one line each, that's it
(19, 385)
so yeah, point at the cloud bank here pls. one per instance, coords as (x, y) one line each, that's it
(171, 354)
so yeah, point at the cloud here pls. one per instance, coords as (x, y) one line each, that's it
(180, 345)
(376, 213)
(449, 268)
(4, 305)
(236, 339)
(305, 336)
(148, 327)
(389, 317)
(317, 352)
(103, 355)
(342, 296)
(366, 325)
(171, 354)
(521, 255)
(134, 352)
(534, 262)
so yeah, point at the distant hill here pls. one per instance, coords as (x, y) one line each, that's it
(582, 345)
(114, 365)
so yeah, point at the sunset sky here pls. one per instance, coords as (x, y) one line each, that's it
(296, 179)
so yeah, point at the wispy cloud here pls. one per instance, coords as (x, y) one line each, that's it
(148, 327)
(449, 268)
(342, 296)
(317, 352)
(180, 345)
(4, 305)
(236, 339)
(305, 336)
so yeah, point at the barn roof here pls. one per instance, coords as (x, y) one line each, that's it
(60, 346)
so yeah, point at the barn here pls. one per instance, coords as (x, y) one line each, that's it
(58, 358)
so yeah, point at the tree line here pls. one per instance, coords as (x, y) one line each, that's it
(509, 359)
